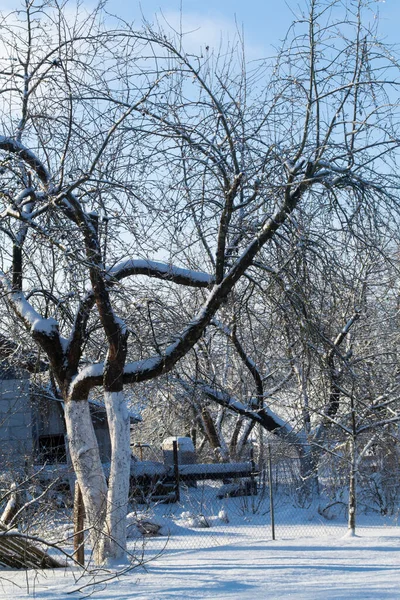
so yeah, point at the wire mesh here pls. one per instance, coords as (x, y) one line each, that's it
(211, 504)
(227, 508)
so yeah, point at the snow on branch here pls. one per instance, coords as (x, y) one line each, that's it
(92, 375)
(345, 330)
(32, 319)
(161, 271)
(44, 331)
(10, 145)
(90, 372)
(377, 424)
(264, 416)
(144, 370)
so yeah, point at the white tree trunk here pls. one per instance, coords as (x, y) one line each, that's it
(352, 490)
(118, 485)
(85, 457)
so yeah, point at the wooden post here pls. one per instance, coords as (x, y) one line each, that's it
(271, 494)
(176, 471)
(79, 514)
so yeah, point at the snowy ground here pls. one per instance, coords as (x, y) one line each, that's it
(367, 566)
(233, 557)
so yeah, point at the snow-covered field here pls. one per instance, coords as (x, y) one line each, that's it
(222, 549)
(362, 567)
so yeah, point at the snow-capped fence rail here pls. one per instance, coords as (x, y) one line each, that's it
(216, 471)
(196, 471)
(162, 481)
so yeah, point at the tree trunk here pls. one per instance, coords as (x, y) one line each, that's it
(87, 465)
(220, 452)
(353, 470)
(235, 438)
(352, 489)
(114, 546)
(309, 473)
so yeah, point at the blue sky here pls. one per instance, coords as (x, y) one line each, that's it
(265, 21)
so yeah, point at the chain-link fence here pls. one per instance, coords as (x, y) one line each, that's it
(178, 501)
(269, 499)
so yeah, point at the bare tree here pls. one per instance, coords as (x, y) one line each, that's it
(125, 159)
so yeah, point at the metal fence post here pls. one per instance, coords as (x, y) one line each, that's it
(253, 482)
(176, 470)
(271, 494)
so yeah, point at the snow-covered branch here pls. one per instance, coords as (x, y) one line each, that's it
(160, 270)
(269, 420)
(32, 319)
(10, 145)
(44, 331)
(382, 423)
(151, 367)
